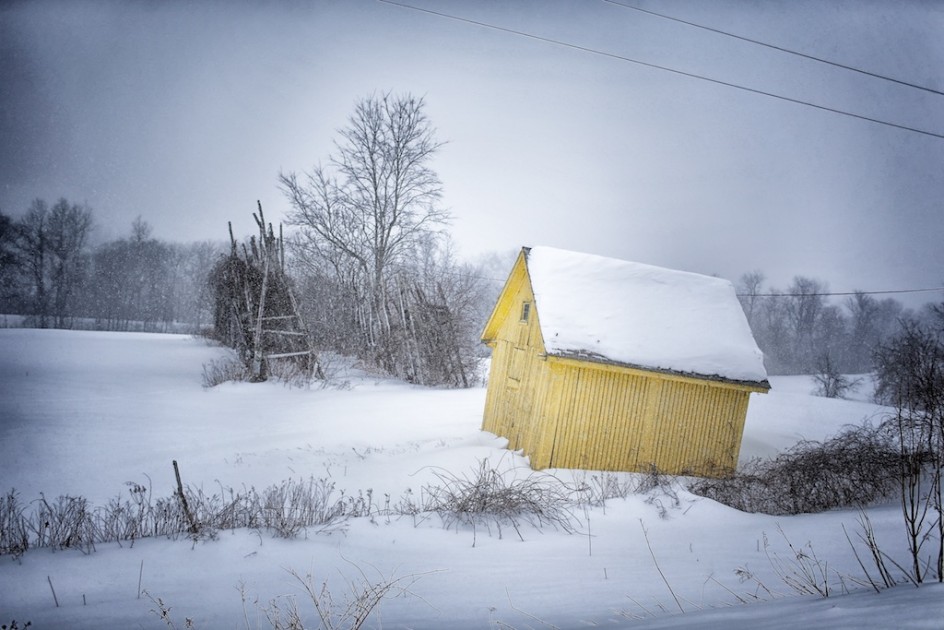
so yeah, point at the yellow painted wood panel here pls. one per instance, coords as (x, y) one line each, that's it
(624, 422)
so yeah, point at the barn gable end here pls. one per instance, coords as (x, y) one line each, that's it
(592, 396)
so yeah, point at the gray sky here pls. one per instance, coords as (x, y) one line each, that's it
(185, 113)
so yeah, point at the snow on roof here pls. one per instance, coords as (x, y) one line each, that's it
(623, 312)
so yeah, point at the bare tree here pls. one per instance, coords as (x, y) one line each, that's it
(378, 194)
(370, 230)
(910, 377)
(134, 282)
(192, 264)
(804, 309)
(830, 382)
(33, 250)
(749, 286)
(51, 245)
(69, 227)
(864, 338)
(9, 261)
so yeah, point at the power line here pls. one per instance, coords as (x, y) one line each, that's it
(840, 293)
(775, 47)
(817, 294)
(692, 75)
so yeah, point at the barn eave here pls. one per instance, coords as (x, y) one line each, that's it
(598, 360)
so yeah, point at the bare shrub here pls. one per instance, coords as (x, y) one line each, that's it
(361, 597)
(285, 509)
(124, 520)
(661, 491)
(66, 523)
(489, 496)
(219, 371)
(14, 538)
(603, 486)
(879, 558)
(857, 466)
(291, 507)
(290, 373)
(802, 571)
(163, 611)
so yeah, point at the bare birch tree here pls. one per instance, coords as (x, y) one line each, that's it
(363, 217)
(378, 194)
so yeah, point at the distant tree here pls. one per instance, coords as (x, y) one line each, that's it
(191, 267)
(864, 333)
(773, 334)
(830, 338)
(748, 288)
(804, 308)
(32, 247)
(69, 227)
(830, 382)
(9, 262)
(134, 282)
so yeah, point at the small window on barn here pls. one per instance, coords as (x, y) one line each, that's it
(525, 311)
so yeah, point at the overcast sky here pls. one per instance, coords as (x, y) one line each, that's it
(185, 112)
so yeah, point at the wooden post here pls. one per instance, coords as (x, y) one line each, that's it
(54, 598)
(183, 501)
(258, 351)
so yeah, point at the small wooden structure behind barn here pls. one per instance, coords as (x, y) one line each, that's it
(603, 364)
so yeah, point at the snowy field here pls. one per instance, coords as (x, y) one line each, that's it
(82, 413)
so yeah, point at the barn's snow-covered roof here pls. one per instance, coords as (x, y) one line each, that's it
(615, 311)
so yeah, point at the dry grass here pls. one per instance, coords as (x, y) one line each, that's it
(287, 510)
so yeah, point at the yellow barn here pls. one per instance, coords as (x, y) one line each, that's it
(604, 364)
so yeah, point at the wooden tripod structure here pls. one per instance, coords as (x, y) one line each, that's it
(265, 301)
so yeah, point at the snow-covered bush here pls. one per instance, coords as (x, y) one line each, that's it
(855, 467)
(490, 496)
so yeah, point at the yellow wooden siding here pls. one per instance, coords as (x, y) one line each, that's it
(516, 374)
(602, 420)
(567, 413)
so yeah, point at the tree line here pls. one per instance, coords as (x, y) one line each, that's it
(50, 274)
(801, 332)
(371, 264)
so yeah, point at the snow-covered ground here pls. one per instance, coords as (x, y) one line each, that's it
(82, 413)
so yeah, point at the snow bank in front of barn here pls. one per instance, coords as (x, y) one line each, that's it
(624, 312)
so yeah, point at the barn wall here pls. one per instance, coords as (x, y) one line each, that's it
(518, 371)
(610, 418)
